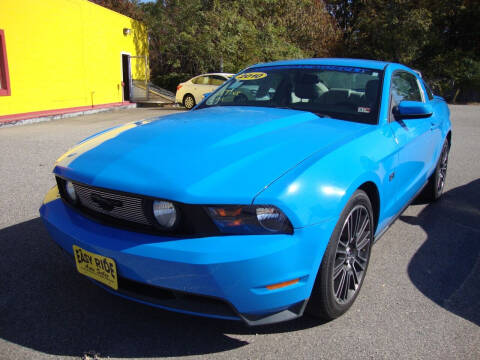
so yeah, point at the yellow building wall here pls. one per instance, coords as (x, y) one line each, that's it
(66, 53)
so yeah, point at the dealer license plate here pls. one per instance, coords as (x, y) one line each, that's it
(98, 267)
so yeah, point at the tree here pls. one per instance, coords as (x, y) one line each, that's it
(129, 8)
(346, 12)
(391, 30)
(452, 57)
(438, 37)
(308, 25)
(194, 36)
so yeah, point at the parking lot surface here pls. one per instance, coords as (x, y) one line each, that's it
(420, 300)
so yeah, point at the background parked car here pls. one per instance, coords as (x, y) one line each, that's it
(190, 93)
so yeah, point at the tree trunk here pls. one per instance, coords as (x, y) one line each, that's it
(454, 100)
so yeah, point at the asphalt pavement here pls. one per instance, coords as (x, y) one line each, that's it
(420, 299)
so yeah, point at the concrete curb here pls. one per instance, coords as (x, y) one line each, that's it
(64, 116)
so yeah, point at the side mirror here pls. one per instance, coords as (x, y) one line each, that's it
(412, 110)
(206, 95)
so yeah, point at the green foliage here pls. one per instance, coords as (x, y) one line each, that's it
(188, 37)
(198, 36)
(392, 31)
(170, 80)
(129, 8)
(438, 37)
(452, 57)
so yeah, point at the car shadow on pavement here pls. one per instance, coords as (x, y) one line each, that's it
(47, 306)
(446, 268)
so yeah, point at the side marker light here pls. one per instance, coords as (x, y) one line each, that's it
(282, 284)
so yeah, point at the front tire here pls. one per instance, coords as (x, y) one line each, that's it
(189, 101)
(345, 261)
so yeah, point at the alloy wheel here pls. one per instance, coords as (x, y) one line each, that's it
(189, 102)
(351, 258)
(442, 170)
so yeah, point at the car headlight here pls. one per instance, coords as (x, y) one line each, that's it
(165, 213)
(271, 218)
(71, 193)
(259, 219)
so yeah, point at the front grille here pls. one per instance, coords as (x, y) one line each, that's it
(128, 207)
(134, 212)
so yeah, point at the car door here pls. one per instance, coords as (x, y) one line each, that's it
(435, 124)
(201, 85)
(414, 137)
(215, 81)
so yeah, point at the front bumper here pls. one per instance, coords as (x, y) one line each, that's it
(229, 270)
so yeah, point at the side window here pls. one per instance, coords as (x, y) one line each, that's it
(4, 77)
(429, 91)
(201, 80)
(404, 87)
(216, 80)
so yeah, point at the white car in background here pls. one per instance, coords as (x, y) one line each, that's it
(191, 92)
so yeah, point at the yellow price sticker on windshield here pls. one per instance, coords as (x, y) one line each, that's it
(251, 76)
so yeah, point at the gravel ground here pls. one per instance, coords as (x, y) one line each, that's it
(421, 297)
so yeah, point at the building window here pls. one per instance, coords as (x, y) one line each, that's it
(4, 77)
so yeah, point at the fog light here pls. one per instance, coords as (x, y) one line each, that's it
(71, 193)
(165, 213)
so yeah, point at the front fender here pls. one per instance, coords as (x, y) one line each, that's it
(307, 201)
(318, 189)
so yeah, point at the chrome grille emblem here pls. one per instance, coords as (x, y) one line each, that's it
(120, 206)
(105, 203)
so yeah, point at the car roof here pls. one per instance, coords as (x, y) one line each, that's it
(222, 74)
(371, 64)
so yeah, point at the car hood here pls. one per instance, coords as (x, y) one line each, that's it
(212, 155)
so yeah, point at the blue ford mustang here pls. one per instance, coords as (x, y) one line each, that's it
(261, 203)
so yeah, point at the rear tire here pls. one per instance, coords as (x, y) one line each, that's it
(436, 182)
(345, 261)
(188, 101)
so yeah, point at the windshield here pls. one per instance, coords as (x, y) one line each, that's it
(342, 92)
